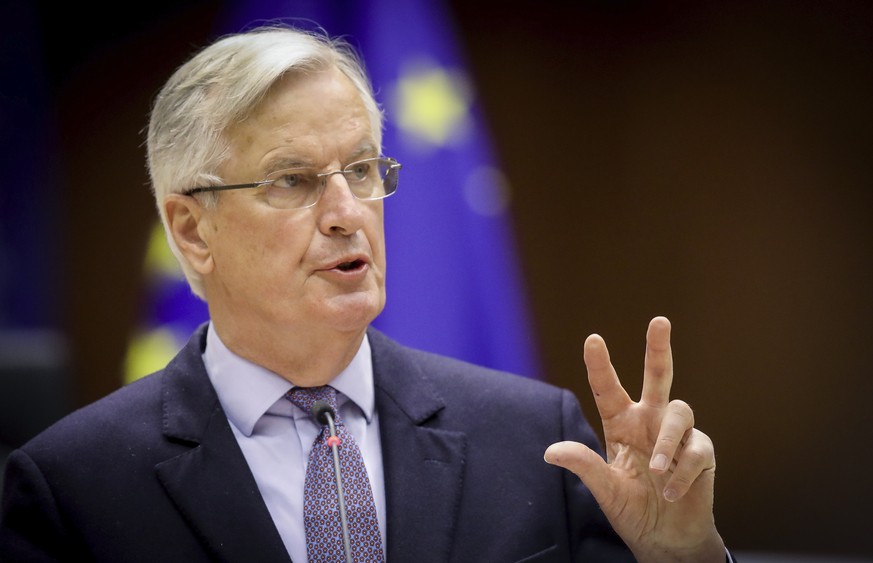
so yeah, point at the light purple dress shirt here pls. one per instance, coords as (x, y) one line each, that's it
(275, 436)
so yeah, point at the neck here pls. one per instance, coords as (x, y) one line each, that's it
(304, 358)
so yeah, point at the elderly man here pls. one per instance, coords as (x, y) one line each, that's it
(266, 163)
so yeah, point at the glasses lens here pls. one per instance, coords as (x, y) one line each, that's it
(373, 178)
(389, 170)
(293, 189)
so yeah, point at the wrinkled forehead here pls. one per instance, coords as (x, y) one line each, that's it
(316, 119)
(320, 97)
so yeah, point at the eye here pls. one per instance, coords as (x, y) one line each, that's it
(359, 170)
(290, 180)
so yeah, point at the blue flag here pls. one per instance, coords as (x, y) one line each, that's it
(454, 282)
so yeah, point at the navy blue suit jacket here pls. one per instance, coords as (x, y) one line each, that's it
(153, 472)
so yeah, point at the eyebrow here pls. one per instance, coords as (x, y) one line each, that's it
(284, 164)
(366, 150)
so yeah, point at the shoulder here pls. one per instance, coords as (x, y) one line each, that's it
(129, 418)
(390, 355)
(469, 393)
(105, 420)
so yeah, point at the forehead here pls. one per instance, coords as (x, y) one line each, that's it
(316, 115)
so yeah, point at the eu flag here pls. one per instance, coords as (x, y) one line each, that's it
(454, 282)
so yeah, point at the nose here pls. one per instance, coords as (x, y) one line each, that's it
(339, 211)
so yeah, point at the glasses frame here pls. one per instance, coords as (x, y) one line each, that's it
(393, 166)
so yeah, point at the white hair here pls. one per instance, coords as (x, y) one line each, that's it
(219, 87)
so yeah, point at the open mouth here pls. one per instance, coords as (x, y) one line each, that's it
(349, 266)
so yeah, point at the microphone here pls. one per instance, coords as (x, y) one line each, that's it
(324, 414)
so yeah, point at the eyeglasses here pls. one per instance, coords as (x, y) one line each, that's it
(299, 188)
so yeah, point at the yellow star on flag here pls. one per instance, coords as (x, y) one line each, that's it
(432, 104)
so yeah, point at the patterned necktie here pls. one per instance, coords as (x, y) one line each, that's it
(321, 519)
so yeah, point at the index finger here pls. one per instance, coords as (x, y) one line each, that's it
(609, 396)
(658, 370)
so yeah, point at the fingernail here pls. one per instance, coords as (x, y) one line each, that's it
(671, 495)
(659, 462)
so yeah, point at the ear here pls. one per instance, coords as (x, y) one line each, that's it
(187, 220)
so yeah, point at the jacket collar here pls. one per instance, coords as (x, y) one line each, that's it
(211, 483)
(423, 461)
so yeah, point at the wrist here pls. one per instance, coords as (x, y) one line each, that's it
(712, 549)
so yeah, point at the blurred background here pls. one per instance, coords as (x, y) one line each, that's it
(707, 161)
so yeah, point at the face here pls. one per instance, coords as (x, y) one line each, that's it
(304, 273)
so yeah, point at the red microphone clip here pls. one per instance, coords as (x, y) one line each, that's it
(333, 441)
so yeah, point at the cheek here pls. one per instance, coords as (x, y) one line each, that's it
(284, 248)
(375, 230)
(265, 246)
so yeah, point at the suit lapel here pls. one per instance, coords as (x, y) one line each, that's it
(423, 463)
(211, 483)
(214, 489)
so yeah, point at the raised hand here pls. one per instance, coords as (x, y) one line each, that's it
(656, 486)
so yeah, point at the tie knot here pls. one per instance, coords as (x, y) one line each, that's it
(305, 397)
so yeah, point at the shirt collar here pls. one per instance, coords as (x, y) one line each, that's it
(247, 391)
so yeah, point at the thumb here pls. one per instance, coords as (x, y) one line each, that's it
(584, 462)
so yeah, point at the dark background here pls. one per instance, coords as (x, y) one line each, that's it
(708, 161)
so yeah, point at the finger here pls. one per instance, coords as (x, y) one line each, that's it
(585, 463)
(609, 395)
(675, 426)
(696, 458)
(658, 371)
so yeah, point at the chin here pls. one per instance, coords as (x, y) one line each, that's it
(354, 312)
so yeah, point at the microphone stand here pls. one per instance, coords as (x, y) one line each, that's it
(333, 441)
